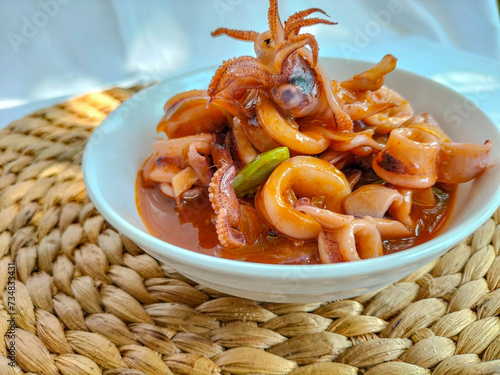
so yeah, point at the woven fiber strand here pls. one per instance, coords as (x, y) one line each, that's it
(86, 300)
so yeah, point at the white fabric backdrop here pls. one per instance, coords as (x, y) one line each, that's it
(52, 49)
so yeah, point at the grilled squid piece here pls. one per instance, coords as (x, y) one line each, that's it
(461, 162)
(187, 113)
(170, 156)
(300, 176)
(414, 158)
(409, 159)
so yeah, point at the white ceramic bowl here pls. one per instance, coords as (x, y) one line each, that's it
(117, 149)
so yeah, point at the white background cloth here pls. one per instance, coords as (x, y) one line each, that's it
(54, 49)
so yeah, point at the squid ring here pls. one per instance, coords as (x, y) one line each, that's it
(360, 240)
(409, 159)
(301, 176)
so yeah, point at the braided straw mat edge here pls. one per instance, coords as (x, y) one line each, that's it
(87, 300)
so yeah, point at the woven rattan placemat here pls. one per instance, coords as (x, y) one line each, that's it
(86, 300)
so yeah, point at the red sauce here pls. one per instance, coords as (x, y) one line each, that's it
(191, 226)
(430, 221)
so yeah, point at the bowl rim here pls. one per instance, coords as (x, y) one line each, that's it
(443, 242)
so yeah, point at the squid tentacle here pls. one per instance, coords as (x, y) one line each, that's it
(222, 195)
(342, 119)
(275, 25)
(226, 206)
(300, 15)
(236, 34)
(292, 44)
(292, 28)
(228, 236)
(246, 69)
(329, 220)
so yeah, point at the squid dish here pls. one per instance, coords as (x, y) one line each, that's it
(275, 162)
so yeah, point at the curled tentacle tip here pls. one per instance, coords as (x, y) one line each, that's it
(229, 237)
(322, 12)
(218, 32)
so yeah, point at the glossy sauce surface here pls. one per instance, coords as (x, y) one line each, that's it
(191, 227)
